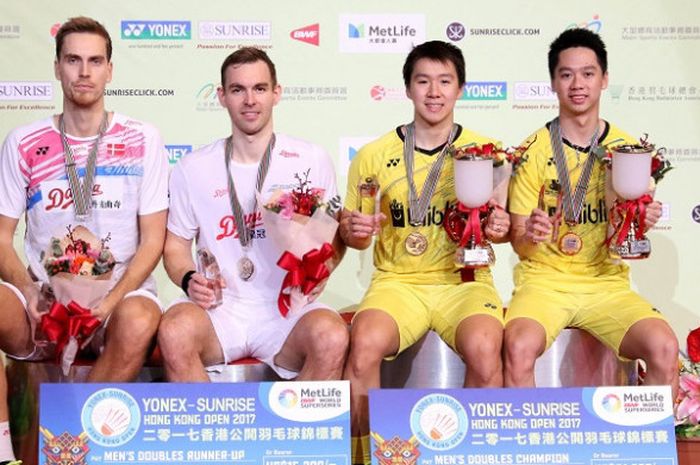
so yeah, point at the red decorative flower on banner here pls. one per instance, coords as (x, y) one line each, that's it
(693, 342)
(688, 401)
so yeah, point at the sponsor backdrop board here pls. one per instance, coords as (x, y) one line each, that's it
(592, 426)
(340, 65)
(302, 423)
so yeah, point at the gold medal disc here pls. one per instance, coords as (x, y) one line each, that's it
(570, 243)
(416, 244)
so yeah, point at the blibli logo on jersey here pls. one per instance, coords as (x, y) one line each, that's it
(175, 152)
(156, 30)
(589, 214)
(433, 217)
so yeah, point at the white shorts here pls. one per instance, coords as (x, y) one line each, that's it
(254, 329)
(45, 352)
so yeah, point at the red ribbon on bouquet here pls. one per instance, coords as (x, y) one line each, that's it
(305, 273)
(473, 224)
(628, 210)
(63, 322)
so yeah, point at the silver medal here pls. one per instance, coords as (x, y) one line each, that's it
(246, 269)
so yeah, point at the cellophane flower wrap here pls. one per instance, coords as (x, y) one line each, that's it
(79, 267)
(688, 401)
(302, 226)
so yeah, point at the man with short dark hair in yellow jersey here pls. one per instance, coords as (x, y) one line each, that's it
(570, 279)
(416, 287)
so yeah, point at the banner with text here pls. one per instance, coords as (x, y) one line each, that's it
(282, 423)
(538, 426)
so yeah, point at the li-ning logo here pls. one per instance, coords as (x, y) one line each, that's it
(308, 34)
(156, 30)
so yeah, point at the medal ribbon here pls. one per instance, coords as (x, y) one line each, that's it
(82, 192)
(245, 234)
(304, 274)
(418, 204)
(573, 204)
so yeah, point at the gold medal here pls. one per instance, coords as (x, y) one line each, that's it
(570, 243)
(416, 244)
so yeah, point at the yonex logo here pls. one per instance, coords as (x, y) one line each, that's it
(156, 30)
(485, 91)
(42, 150)
(133, 30)
(175, 152)
(393, 162)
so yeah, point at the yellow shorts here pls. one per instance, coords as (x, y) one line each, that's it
(417, 308)
(607, 313)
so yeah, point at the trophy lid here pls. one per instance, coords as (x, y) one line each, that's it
(634, 148)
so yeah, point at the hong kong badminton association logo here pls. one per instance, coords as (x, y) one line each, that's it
(111, 417)
(439, 422)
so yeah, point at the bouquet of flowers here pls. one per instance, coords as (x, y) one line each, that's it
(688, 402)
(79, 269)
(303, 227)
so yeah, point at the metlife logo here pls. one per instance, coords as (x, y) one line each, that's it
(491, 90)
(235, 30)
(380, 33)
(156, 30)
(26, 90)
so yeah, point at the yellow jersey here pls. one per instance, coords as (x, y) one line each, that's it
(538, 171)
(383, 159)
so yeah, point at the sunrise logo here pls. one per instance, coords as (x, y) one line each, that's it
(611, 403)
(288, 398)
(356, 32)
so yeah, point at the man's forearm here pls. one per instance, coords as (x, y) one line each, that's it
(12, 270)
(177, 257)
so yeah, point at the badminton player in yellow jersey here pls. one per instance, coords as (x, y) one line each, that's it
(416, 287)
(570, 279)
